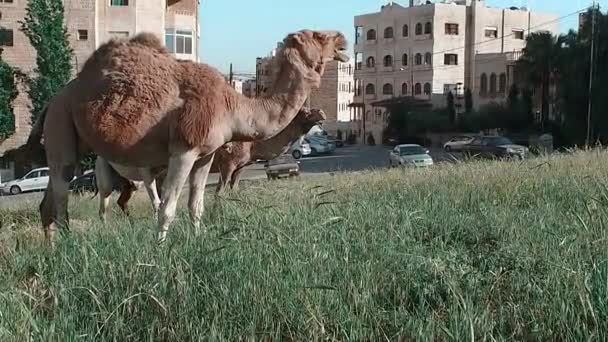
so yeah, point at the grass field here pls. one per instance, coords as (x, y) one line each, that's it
(479, 251)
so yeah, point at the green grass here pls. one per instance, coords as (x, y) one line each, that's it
(479, 251)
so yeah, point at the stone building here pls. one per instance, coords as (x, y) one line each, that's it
(428, 50)
(90, 23)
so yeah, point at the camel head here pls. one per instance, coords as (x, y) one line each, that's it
(314, 49)
(307, 119)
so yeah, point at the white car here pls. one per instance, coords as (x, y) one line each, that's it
(320, 145)
(299, 149)
(410, 155)
(456, 143)
(37, 179)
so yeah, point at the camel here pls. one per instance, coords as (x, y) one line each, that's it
(135, 105)
(229, 160)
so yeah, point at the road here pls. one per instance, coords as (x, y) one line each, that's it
(348, 158)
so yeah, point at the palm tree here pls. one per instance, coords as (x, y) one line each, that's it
(539, 63)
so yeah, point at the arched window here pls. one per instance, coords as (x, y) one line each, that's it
(388, 60)
(427, 88)
(428, 28)
(428, 58)
(405, 31)
(493, 83)
(387, 89)
(418, 29)
(371, 34)
(371, 62)
(370, 89)
(418, 89)
(418, 59)
(502, 83)
(404, 59)
(483, 84)
(388, 33)
(404, 89)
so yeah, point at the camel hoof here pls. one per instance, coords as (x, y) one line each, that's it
(162, 237)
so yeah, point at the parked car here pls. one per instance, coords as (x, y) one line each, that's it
(282, 165)
(319, 145)
(35, 180)
(455, 144)
(84, 183)
(410, 155)
(300, 149)
(494, 147)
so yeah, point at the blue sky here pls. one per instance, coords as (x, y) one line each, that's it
(238, 31)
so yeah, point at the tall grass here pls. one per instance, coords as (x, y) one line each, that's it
(475, 251)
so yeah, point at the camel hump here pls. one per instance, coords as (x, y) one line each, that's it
(148, 39)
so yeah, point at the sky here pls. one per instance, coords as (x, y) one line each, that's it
(238, 31)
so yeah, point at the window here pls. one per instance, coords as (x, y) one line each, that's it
(371, 62)
(32, 175)
(83, 35)
(405, 31)
(428, 58)
(371, 35)
(450, 59)
(418, 59)
(388, 60)
(404, 89)
(451, 29)
(483, 84)
(388, 33)
(370, 89)
(491, 32)
(427, 89)
(6, 1)
(179, 41)
(6, 37)
(358, 34)
(502, 83)
(119, 2)
(44, 173)
(387, 89)
(418, 89)
(358, 61)
(404, 59)
(518, 34)
(493, 84)
(428, 28)
(418, 29)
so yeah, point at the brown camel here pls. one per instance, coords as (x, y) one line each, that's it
(229, 160)
(134, 104)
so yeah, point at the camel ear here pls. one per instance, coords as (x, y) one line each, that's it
(294, 39)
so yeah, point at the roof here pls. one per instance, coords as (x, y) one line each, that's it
(408, 145)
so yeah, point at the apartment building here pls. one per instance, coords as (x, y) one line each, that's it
(249, 87)
(90, 23)
(428, 50)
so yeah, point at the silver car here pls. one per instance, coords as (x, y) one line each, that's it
(410, 155)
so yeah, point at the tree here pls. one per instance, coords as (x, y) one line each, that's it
(451, 108)
(44, 26)
(539, 63)
(468, 101)
(8, 93)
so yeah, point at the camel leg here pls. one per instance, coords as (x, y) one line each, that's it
(198, 180)
(103, 178)
(47, 213)
(225, 173)
(123, 199)
(150, 184)
(177, 173)
(236, 177)
(60, 178)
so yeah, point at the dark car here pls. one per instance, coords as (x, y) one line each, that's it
(282, 165)
(84, 183)
(494, 147)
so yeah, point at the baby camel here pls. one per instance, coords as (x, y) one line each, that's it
(229, 160)
(135, 105)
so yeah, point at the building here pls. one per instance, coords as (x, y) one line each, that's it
(336, 92)
(90, 23)
(249, 87)
(428, 50)
(237, 85)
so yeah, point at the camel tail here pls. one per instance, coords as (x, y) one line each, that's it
(37, 129)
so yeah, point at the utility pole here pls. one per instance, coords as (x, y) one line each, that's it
(231, 75)
(591, 67)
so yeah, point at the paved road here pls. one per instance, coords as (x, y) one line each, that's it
(349, 158)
